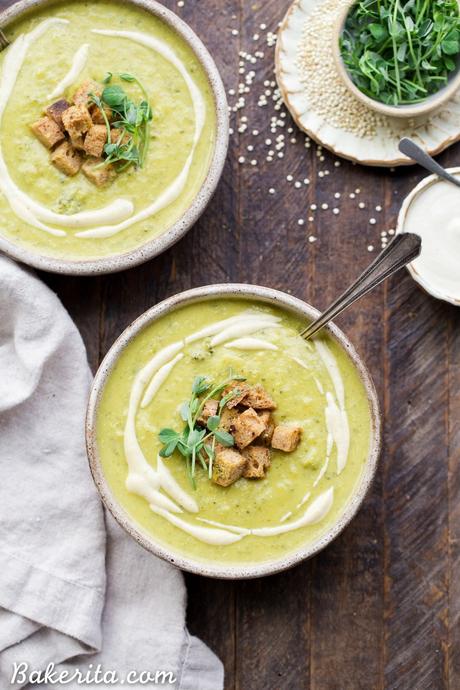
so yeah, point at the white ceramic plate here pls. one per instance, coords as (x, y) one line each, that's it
(434, 132)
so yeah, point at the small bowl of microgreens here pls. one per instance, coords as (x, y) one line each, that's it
(400, 58)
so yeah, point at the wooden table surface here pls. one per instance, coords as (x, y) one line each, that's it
(380, 607)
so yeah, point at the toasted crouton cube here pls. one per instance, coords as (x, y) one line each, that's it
(97, 116)
(78, 142)
(257, 462)
(66, 159)
(77, 120)
(266, 436)
(47, 132)
(228, 419)
(239, 389)
(100, 176)
(82, 95)
(95, 141)
(258, 398)
(210, 409)
(228, 467)
(55, 110)
(248, 426)
(286, 437)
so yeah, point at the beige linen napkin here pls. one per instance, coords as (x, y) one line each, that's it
(73, 585)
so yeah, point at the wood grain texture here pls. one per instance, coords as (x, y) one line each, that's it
(380, 608)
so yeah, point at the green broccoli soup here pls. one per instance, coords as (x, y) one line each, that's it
(107, 129)
(229, 438)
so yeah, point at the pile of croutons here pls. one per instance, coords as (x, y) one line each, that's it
(247, 416)
(76, 134)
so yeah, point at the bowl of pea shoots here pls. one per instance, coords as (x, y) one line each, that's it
(399, 57)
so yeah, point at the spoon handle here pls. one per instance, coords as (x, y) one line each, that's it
(401, 251)
(414, 151)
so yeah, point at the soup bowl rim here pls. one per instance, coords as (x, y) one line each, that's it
(222, 570)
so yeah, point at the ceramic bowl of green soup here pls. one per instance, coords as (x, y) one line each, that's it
(113, 132)
(224, 442)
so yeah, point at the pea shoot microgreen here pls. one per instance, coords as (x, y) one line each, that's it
(195, 444)
(132, 119)
(400, 52)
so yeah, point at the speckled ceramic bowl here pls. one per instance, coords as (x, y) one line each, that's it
(427, 106)
(157, 245)
(287, 303)
(413, 268)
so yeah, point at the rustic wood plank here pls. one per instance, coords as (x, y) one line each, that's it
(452, 653)
(82, 298)
(416, 494)
(348, 576)
(453, 413)
(273, 628)
(416, 483)
(416, 489)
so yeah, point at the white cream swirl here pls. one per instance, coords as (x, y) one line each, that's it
(176, 187)
(78, 64)
(21, 203)
(118, 215)
(156, 486)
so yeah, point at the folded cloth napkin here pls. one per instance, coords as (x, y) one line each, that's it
(75, 590)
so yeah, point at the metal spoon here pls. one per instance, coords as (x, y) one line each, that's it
(401, 251)
(414, 151)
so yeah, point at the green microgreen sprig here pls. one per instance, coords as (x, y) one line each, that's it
(196, 444)
(133, 120)
(400, 52)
